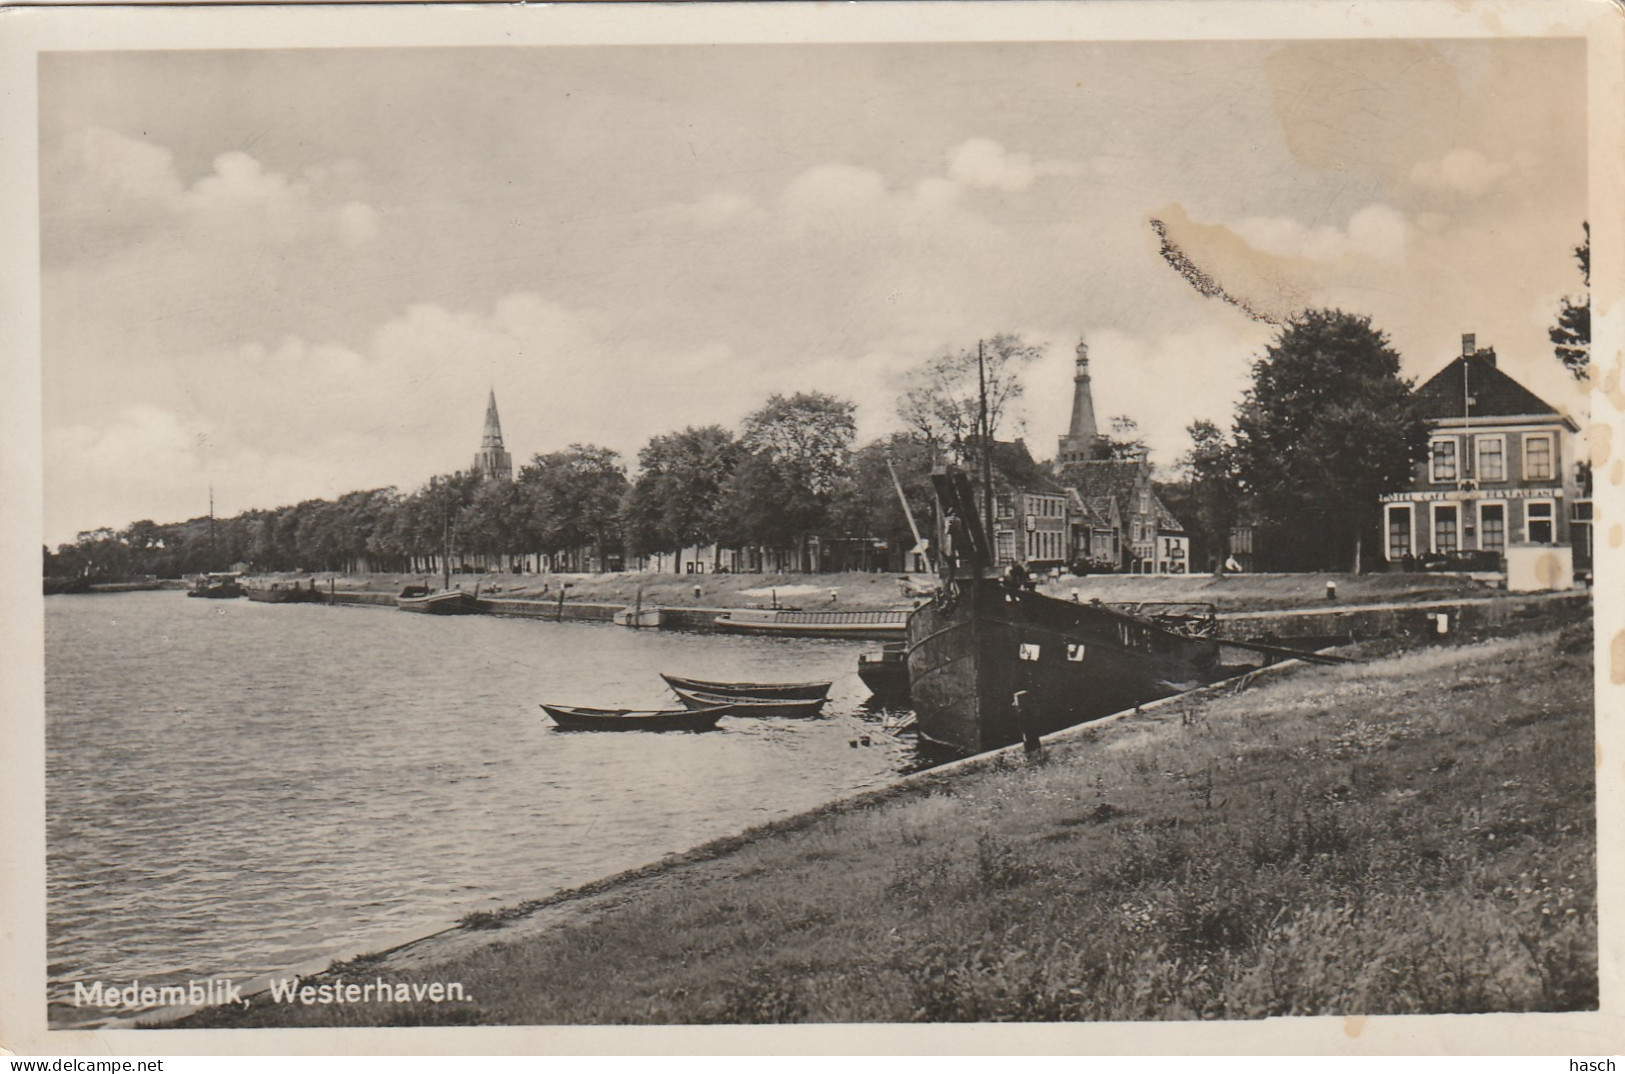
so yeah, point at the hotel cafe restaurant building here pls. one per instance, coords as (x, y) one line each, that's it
(1500, 468)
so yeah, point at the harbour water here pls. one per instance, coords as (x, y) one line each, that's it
(233, 788)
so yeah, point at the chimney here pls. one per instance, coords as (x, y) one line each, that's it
(1469, 344)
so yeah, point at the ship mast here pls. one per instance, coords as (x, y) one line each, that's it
(987, 450)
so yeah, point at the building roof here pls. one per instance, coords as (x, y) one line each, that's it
(1013, 463)
(1493, 393)
(1100, 482)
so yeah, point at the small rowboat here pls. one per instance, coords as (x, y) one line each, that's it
(779, 691)
(752, 706)
(576, 718)
(886, 673)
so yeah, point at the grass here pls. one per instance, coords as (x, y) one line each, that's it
(1411, 835)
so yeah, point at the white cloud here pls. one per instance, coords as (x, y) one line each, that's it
(1460, 171)
(1376, 231)
(833, 188)
(104, 189)
(715, 210)
(984, 164)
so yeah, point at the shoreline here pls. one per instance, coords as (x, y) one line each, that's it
(585, 906)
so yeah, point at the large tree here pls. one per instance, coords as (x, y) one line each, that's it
(867, 505)
(1211, 494)
(674, 501)
(574, 497)
(798, 449)
(1571, 335)
(943, 400)
(1327, 427)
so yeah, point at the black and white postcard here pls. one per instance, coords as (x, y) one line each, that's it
(1077, 527)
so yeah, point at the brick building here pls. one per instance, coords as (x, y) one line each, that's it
(1500, 469)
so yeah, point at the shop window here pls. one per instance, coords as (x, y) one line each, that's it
(1399, 532)
(1539, 513)
(1445, 536)
(1492, 527)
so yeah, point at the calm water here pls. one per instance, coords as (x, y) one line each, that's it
(233, 787)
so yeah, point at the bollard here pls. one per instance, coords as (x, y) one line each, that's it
(1331, 590)
(1027, 720)
(1441, 624)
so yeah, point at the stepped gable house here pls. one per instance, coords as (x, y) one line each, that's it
(1118, 521)
(492, 460)
(1500, 469)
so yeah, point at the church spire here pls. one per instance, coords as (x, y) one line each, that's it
(493, 425)
(492, 460)
(1079, 442)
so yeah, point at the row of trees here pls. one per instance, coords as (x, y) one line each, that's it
(789, 473)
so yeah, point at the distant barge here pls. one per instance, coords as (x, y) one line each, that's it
(875, 625)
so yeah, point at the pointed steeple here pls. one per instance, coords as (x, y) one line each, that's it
(493, 425)
(492, 460)
(1079, 442)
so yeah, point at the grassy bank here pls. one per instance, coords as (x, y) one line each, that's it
(1414, 834)
(860, 591)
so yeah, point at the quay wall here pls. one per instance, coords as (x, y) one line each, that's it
(1386, 620)
(702, 620)
(1337, 621)
(569, 611)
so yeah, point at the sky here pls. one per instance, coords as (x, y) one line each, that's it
(285, 274)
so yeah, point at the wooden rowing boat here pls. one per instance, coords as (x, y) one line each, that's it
(578, 718)
(799, 708)
(804, 691)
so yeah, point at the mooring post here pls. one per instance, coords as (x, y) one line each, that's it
(1027, 721)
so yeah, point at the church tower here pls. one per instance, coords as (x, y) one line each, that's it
(492, 460)
(1079, 442)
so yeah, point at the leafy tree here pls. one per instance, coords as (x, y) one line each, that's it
(798, 451)
(1124, 441)
(867, 504)
(674, 501)
(1571, 335)
(1210, 494)
(490, 524)
(1327, 427)
(943, 399)
(574, 498)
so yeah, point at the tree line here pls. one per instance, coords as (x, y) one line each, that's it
(789, 473)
